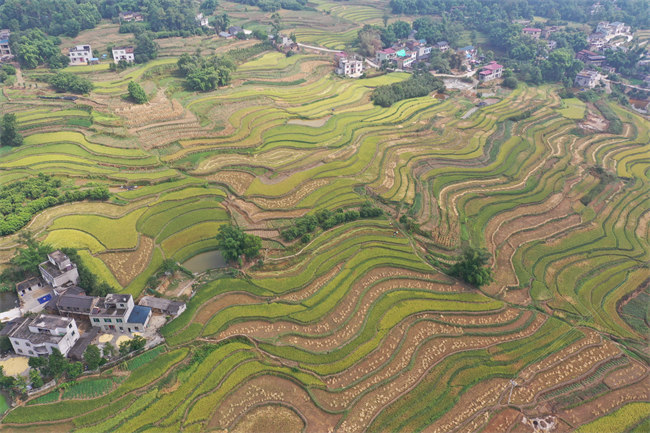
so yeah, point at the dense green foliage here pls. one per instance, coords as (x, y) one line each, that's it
(420, 84)
(234, 243)
(136, 93)
(69, 82)
(473, 267)
(274, 5)
(33, 48)
(92, 357)
(22, 199)
(327, 219)
(132, 345)
(206, 73)
(54, 17)
(10, 135)
(145, 47)
(483, 12)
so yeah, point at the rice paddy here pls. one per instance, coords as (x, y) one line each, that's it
(358, 328)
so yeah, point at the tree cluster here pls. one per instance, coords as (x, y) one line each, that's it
(326, 219)
(6, 70)
(33, 48)
(132, 345)
(10, 135)
(205, 73)
(59, 17)
(274, 5)
(234, 243)
(22, 199)
(419, 84)
(69, 82)
(473, 267)
(137, 93)
(145, 47)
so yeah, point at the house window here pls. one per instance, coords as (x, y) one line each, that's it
(19, 350)
(118, 320)
(31, 353)
(96, 320)
(27, 343)
(70, 325)
(107, 320)
(72, 333)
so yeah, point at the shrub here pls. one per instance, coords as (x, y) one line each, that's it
(69, 82)
(420, 84)
(136, 93)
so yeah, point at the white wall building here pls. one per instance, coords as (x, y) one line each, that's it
(349, 66)
(123, 53)
(58, 270)
(80, 55)
(39, 335)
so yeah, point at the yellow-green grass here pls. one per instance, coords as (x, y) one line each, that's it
(192, 234)
(79, 139)
(114, 233)
(619, 421)
(74, 239)
(573, 108)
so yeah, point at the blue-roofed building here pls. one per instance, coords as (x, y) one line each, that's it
(139, 318)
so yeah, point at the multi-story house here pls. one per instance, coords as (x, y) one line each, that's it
(80, 54)
(532, 32)
(58, 270)
(491, 71)
(115, 312)
(587, 78)
(349, 66)
(5, 49)
(405, 58)
(387, 54)
(123, 53)
(131, 16)
(442, 46)
(202, 20)
(38, 336)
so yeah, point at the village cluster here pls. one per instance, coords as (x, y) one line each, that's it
(55, 313)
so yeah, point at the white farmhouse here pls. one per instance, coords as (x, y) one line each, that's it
(39, 335)
(349, 66)
(80, 55)
(58, 270)
(123, 53)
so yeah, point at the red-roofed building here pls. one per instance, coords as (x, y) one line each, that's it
(491, 71)
(387, 54)
(532, 32)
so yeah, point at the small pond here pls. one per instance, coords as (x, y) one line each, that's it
(205, 261)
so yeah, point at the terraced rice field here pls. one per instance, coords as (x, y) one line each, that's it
(359, 329)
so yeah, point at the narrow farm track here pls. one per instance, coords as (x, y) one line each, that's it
(356, 328)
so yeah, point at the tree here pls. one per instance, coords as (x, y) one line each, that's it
(145, 47)
(136, 93)
(56, 364)
(369, 40)
(208, 6)
(35, 378)
(233, 243)
(510, 82)
(401, 29)
(92, 357)
(37, 362)
(74, 369)
(69, 82)
(108, 350)
(10, 135)
(5, 345)
(472, 267)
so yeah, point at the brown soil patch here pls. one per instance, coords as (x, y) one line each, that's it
(475, 400)
(293, 198)
(626, 375)
(270, 389)
(214, 306)
(503, 420)
(403, 380)
(314, 123)
(256, 215)
(158, 109)
(127, 265)
(239, 181)
(269, 419)
(605, 404)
